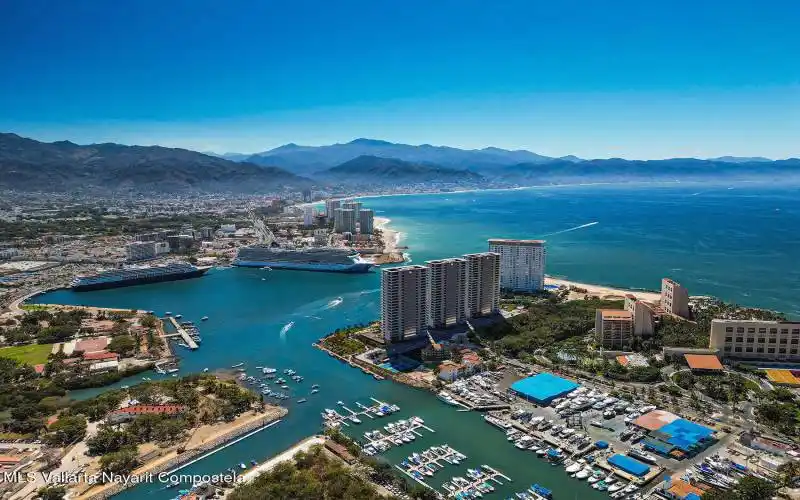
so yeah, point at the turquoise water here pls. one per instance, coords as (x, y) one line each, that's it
(739, 244)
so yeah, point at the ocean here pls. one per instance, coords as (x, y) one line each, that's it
(738, 242)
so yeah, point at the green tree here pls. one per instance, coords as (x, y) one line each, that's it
(67, 429)
(51, 493)
(120, 462)
(124, 345)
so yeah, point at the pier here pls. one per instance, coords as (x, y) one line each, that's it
(370, 412)
(182, 333)
(486, 474)
(430, 456)
(385, 441)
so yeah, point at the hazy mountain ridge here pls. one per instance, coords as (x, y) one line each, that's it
(27, 164)
(376, 170)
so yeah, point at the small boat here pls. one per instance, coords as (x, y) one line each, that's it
(167, 313)
(302, 400)
(205, 370)
(253, 463)
(242, 465)
(204, 318)
(237, 365)
(314, 391)
(340, 403)
(178, 316)
(354, 419)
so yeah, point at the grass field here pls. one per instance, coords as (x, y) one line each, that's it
(33, 354)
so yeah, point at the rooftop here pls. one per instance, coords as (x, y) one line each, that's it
(655, 420)
(502, 241)
(611, 314)
(703, 362)
(543, 387)
(151, 409)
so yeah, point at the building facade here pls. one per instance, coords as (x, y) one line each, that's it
(756, 339)
(403, 302)
(331, 206)
(446, 292)
(674, 298)
(344, 220)
(643, 316)
(613, 328)
(366, 221)
(522, 264)
(483, 284)
(140, 250)
(309, 216)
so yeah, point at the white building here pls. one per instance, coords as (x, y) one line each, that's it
(403, 302)
(446, 292)
(756, 339)
(674, 298)
(522, 264)
(483, 284)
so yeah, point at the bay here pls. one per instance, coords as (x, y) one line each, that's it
(739, 244)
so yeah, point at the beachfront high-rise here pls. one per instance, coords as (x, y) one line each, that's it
(352, 205)
(330, 208)
(674, 298)
(403, 302)
(366, 221)
(522, 264)
(446, 292)
(309, 214)
(613, 328)
(344, 220)
(483, 284)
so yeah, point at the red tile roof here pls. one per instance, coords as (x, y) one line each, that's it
(95, 356)
(703, 362)
(92, 345)
(151, 409)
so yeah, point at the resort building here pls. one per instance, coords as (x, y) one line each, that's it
(674, 298)
(131, 412)
(446, 292)
(137, 251)
(331, 206)
(309, 216)
(643, 316)
(613, 328)
(366, 221)
(522, 264)
(756, 339)
(344, 220)
(403, 302)
(355, 206)
(483, 284)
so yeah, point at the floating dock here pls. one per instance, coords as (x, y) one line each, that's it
(184, 335)
(414, 424)
(437, 460)
(487, 474)
(365, 411)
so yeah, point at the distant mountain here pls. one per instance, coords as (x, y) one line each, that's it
(29, 165)
(307, 159)
(374, 170)
(740, 159)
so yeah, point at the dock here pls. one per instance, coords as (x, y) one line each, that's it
(388, 440)
(370, 412)
(182, 333)
(431, 457)
(487, 474)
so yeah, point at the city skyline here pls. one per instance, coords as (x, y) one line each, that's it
(630, 80)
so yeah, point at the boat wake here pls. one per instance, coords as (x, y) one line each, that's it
(334, 303)
(574, 228)
(288, 326)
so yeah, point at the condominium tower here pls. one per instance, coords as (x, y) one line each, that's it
(344, 220)
(330, 207)
(446, 292)
(522, 264)
(613, 328)
(366, 221)
(674, 298)
(403, 302)
(483, 284)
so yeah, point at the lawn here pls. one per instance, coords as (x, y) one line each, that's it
(32, 354)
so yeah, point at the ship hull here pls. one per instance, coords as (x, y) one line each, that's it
(356, 267)
(139, 281)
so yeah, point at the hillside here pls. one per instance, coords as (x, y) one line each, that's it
(374, 170)
(307, 159)
(29, 165)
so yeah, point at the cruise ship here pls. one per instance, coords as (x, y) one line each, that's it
(336, 260)
(137, 275)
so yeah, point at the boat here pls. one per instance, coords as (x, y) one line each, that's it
(237, 365)
(575, 467)
(583, 473)
(541, 491)
(205, 370)
(178, 316)
(447, 398)
(137, 275)
(325, 259)
(204, 318)
(314, 391)
(616, 487)
(302, 400)
(641, 455)
(242, 465)
(354, 419)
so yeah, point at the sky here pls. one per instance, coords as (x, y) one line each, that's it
(622, 78)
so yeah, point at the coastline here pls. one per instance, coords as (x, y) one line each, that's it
(604, 291)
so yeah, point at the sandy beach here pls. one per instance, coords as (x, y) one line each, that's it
(605, 292)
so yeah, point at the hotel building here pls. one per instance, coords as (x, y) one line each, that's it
(483, 284)
(674, 298)
(643, 316)
(344, 220)
(403, 302)
(756, 339)
(309, 215)
(446, 292)
(366, 221)
(613, 328)
(522, 264)
(331, 206)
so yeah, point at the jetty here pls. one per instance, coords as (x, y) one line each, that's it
(486, 474)
(376, 410)
(416, 470)
(182, 333)
(379, 440)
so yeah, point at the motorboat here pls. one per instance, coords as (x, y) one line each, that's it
(583, 473)
(616, 487)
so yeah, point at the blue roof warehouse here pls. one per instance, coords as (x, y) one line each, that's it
(543, 388)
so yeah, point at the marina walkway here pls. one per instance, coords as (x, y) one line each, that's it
(183, 334)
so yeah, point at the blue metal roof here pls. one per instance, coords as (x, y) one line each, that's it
(544, 387)
(629, 465)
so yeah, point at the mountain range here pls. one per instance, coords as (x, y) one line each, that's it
(30, 165)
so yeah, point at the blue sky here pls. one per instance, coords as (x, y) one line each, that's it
(636, 79)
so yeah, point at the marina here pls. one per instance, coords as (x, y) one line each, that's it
(397, 434)
(183, 333)
(430, 461)
(478, 483)
(332, 418)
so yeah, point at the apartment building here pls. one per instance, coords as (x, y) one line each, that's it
(344, 220)
(613, 328)
(483, 284)
(643, 316)
(403, 302)
(756, 339)
(366, 221)
(446, 292)
(674, 298)
(331, 206)
(522, 264)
